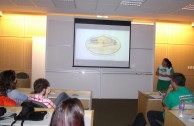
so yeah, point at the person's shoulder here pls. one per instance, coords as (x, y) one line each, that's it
(7, 101)
(160, 67)
(15, 91)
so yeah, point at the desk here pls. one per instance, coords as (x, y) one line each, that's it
(172, 119)
(146, 103)
(84, 96)
(88, 117)
(45, 122)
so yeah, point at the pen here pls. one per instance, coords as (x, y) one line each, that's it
(160, 92)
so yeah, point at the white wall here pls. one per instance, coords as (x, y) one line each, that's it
(38, 58)
(103, 82)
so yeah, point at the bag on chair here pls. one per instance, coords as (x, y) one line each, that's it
(139, 120)
(28, 113)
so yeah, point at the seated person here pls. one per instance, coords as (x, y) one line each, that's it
(172, 98)
(8, 77)
(69, 113)
(41, 91)
(4, 100)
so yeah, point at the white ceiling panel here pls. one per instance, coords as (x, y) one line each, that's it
(44, 3)
(168, 10)
(86, 4)
(23, 2)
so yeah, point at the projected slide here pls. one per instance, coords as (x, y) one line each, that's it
(101, 45)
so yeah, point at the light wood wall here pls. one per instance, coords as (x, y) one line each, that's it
(16, 33)
(176, 42)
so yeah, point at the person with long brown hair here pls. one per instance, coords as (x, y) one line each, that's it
(4, 100)
(8, 78)
(69, 113)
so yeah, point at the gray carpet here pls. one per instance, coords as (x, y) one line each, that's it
(114, 112)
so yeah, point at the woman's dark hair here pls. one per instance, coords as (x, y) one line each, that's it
(40, 84)
(3, 89)
(168, 63)
(8, 78)
(69, 113)
(179, 79)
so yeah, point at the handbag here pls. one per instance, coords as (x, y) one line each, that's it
(28, 113)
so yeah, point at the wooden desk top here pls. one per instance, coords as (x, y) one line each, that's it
(87, 95)
(172, 118)
(152, 95)
(88, 117)
(80, 94)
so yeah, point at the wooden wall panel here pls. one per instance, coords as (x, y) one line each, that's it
(11, 51)
(176, 42)
(11, 26)
(161, 51)
(190, 82)
(35, 26)
(16, 32)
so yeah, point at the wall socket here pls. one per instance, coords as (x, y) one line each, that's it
(190, 67)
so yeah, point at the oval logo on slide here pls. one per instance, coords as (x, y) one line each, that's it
(103, 45)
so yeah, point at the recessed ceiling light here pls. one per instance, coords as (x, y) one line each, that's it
(189, 7)
(132, 2)
(65, 0)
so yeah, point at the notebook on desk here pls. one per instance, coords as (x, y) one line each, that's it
(156, 96)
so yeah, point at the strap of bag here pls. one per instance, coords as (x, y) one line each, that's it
(16, 121)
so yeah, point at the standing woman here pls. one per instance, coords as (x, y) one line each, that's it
(164, 73)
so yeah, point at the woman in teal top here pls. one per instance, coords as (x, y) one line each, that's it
(164, 73)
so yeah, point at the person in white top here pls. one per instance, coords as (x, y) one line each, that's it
(164, 73)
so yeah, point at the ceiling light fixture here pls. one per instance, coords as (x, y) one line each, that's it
(101, 16)
(189, 7)
(65, 0)
(132, 2)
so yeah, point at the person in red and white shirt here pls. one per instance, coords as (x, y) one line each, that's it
(41, 91)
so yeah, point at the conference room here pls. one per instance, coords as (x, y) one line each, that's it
(44, 38)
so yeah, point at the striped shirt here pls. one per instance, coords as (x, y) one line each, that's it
(40, 98)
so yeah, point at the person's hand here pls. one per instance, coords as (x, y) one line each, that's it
(48, 90)
(170, 88)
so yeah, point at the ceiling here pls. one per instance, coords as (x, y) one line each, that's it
(157, 10)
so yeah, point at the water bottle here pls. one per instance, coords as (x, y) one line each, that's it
(181, 108)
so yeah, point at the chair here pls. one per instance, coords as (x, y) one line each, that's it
(23, 80)
(22, 75)
(36, 104)
(61, 97)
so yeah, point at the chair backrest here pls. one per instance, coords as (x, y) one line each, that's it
(22, 75)
(37, 104)
(61, 97)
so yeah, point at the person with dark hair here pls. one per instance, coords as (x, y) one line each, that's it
(8, 78)
(41, 91)
(4, 100)
(69, 113)
(164, 73)
(172, 98)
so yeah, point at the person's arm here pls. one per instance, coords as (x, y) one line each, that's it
(157, 72)
(170, 88)
(48, 90)
(171, 72)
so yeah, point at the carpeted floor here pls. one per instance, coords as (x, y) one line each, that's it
(114, 112)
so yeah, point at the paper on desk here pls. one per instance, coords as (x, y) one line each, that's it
(156, 96)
